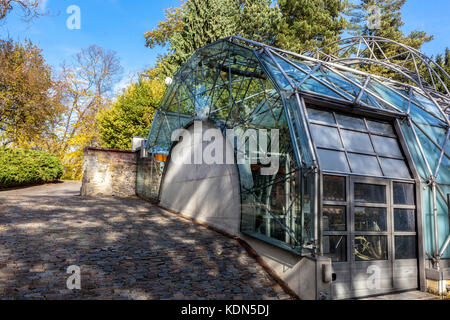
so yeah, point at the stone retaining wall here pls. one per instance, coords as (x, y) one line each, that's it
(108, 172)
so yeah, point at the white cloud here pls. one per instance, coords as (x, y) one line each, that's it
(125, 83)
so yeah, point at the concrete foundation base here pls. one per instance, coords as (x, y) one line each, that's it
(438, 282)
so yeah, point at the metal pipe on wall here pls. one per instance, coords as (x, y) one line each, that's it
(447, 242)
(316, 212)
(436, 231)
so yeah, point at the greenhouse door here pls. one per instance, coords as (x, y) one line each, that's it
(370, 235)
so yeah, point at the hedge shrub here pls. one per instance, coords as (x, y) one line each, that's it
(19, 167)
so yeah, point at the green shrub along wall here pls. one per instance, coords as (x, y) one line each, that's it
(19, 167)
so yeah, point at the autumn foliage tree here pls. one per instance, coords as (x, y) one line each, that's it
(29, 8)
(89, 82)
(30, 98)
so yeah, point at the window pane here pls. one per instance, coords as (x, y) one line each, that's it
(356, 141)
(404, 194)
(364, 164)
(405, 220)
(326, 137)
(334, 219)
(333, 188)
(370, 248)
(370, 219)
(322, 116)
(381, 127)
(333, 160)
(395, 168)
(335, 247)
(370, 193)
(387, 147)
(351, 122)
(405, 247)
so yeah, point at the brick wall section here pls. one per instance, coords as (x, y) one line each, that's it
(108, 172)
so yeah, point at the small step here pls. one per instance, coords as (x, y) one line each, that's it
(409, 295)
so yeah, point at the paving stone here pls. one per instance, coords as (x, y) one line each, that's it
(126, 248)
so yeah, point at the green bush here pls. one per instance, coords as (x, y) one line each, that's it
(20, 167)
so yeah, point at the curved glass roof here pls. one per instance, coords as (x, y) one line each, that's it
(239, 83)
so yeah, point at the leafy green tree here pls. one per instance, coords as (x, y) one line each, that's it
(390, 22)
(388, 26)
(444, 62)
(200, 22)
(309, 24)
(131, 115)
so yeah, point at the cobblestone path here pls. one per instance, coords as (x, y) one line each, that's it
(126, 248)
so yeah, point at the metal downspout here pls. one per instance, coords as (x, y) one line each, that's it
(447, 242)
(436, 231)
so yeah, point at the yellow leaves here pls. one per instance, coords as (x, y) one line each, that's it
(165, 29)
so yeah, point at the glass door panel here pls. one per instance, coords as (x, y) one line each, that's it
(371, 248)
(370, 219)
(370, 234)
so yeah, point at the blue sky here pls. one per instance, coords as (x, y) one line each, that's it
(119, 25)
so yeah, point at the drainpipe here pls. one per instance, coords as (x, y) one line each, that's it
(447, 242)
(436, 231)
(316, 212)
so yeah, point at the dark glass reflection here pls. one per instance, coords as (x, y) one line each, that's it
(404, 194)
(334, 218)
(370, 193)
(405, 220)
(334, 188)
(335, 247)
(370, 219)
(405, 247)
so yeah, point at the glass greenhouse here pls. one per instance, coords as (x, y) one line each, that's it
(364, 160)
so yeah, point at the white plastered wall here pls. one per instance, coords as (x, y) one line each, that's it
(206, 192)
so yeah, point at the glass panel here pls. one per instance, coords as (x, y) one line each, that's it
(387, 147)
(334, 188)
(405, 220)
(334, 219)
(351, 122)
(333, 160)
(322, 116)
(370, 193)
(370, 219)
(395, 168)
(364, 164)
(335, 247)
(326, 137)
(370, 248)
(405, 247)
(381, 127)
(356, 141)
(404, 193)
(389, 95)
